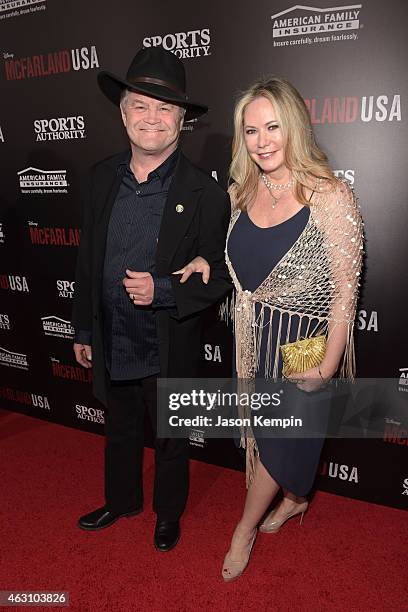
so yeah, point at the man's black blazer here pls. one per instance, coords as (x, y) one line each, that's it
(200, 229)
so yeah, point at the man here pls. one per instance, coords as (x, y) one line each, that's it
(147, 214)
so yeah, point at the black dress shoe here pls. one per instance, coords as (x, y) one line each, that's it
(166, 535)
(101, 518)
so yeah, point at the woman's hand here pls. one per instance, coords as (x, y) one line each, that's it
(310, 380)
(198, 264)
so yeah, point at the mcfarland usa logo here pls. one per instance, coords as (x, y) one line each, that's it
(86, 413)
(367, 321)
(24, 397)
(34, 180)
(14, 283)
(61, 128)
(5, 322)
(15, 8)
(307, 25)
(54, 236)
(340, 471)
(349, 109)
(194, 43)
(13, 359)
(395, 432)
(212, 353)
(70, 372)
(60, 328)
(66, 60)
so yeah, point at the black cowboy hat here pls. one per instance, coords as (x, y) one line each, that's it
(153, 72)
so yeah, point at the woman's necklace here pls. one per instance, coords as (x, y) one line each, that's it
(277, 186)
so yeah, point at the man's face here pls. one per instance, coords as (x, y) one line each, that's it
(153, 126)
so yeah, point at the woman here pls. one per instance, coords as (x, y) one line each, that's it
(294, 251)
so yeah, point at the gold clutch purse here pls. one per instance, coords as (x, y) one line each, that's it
(303, 354)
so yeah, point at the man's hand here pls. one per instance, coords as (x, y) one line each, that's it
(83, 354)
(198, 264)
(140, 287)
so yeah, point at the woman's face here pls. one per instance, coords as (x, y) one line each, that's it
(263, 136)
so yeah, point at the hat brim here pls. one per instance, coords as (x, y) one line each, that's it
(112, 86)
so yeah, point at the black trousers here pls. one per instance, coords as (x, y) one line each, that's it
(124, 429)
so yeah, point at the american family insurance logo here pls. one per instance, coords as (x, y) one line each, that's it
(46, 64)
(2, 234)
(60, 328)
(403, 380)
(194, 43)
(15, 8)
(13, 359)
(307, 25)
(33, 180)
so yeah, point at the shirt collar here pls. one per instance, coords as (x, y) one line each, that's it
(163, 171)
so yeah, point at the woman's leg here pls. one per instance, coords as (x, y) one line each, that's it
(260, 494)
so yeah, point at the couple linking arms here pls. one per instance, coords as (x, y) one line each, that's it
(150, 219)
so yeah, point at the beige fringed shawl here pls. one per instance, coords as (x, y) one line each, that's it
(316, 282)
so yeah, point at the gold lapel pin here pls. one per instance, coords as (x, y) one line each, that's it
(179, 208)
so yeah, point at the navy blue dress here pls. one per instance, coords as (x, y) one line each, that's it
(254, 252)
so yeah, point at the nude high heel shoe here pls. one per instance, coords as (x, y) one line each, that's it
(272, 526)
(234, 569)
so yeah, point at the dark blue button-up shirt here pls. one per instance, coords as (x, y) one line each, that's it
(131, 345)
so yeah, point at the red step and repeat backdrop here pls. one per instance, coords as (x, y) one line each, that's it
(349, 63)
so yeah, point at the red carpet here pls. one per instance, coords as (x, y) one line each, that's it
(347, 555)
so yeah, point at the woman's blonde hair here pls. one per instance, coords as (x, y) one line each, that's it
(306, 161)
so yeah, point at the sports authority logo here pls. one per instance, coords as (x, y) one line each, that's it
(5, 322)
(194, 43)
(34, 180)
(340, 471)
(54, 236)
(61, 128)
(15, 8)
(307, 25)
(65, 288)
(1, 135)
(405, 487)
(403, 380)
(14, 283)
(13, 360)
(349, 175)
(83, 58)
(86, 413)
(348, 109)
(24, 397)
(60, 328)
(2, 236)
(70, 372)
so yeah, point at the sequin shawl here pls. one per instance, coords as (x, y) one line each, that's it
(316, 282)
